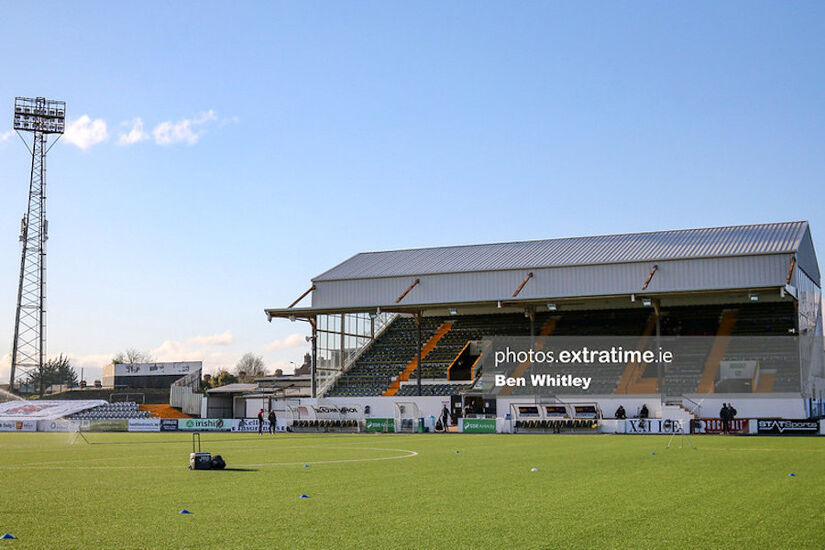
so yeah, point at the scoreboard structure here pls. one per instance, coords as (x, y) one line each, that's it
(148, 375)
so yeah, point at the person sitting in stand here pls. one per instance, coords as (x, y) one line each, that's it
(644, 413)
(620, 413)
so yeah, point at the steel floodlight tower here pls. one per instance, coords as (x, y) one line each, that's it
(41, 117)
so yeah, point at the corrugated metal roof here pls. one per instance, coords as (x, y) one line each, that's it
(233, 388)
(743, 240)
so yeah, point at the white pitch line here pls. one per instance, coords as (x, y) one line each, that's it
(761, 449)
(409, 454)
(241, 448)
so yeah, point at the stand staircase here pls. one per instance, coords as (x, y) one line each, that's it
(548, 328)
(717, 352)
(412, 365)
(631, 380)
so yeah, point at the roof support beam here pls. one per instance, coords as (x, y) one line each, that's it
(524, 282)
(650, 277)
(409, 288)
(301, 297)
(790, 271)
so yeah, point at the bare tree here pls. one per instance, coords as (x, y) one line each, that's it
(250, 367)
(132, 355)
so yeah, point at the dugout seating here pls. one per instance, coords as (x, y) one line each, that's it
(556, 425)
(324, 425)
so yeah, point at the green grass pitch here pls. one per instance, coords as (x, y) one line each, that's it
(412, 491)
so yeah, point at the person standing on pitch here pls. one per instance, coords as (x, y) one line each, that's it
(445, 417)
(272, 419)
(260, 422)
(724, 416)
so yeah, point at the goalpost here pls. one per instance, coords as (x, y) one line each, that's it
(406, 417)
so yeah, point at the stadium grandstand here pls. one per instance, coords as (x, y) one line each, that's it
(407, 324)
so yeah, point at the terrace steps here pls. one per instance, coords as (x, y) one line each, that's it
(412, 365)
(717, 352)
(163, 411)
(766, 381)
(631, 380)
(546, 330)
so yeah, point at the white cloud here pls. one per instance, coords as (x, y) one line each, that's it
(135, 133)
(187, 131)
(91, 366)
(5, 368)
(295, 340)
(213, 361)
(85, 132)
(4, 136)
(200, 348)
(223, 339)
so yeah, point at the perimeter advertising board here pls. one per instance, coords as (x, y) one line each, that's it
(653, 426)
(379, 425)
(478, 425)
(738, 426)
(204, 425)
(18, 425)
(144, 424)
(788, 427)
(108, 425)
(168, 424)
(247, 425)
(59, 425)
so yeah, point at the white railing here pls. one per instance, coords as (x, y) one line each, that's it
(184, 394)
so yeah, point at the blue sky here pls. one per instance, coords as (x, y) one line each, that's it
(221, 155)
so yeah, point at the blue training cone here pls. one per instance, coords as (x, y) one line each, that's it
(184, 511)
(791, 475)
(653, 453)
(306, 465)
(8, 536)
(304, 496)
(457, 452)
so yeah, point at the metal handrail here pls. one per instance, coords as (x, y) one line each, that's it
(379, 331)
